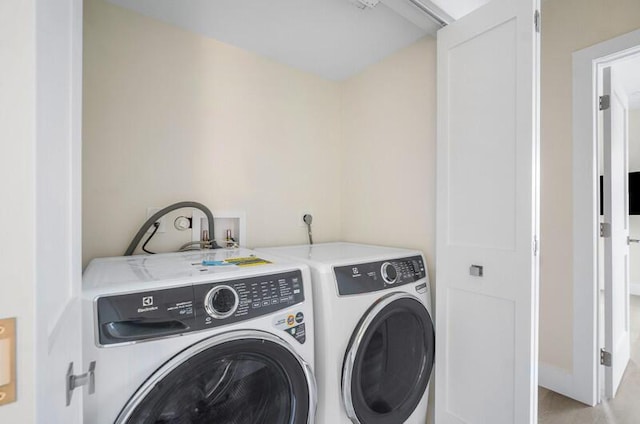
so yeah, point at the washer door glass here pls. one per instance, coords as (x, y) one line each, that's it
(245, 381)
(390, 366)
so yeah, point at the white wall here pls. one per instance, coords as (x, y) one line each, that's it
(171, 116)
(634, 139)
(389, 138)
(17, 191)
(568, 26)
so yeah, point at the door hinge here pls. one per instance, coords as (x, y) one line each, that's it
(535, 246)
(536, 20)
(75, 381)
(605, 229)
(605, 358)
(605, 102)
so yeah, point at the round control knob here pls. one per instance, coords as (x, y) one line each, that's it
(221, 302)
(389, 273)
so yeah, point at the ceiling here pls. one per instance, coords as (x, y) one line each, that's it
(459, 8)
(628, 74)
(331, 38)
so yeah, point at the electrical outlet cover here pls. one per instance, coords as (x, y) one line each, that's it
(163, 220)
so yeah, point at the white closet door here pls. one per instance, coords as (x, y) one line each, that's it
(58, 214)
(487, 223)
(616, 249)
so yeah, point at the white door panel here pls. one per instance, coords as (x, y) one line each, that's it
(487, 174)
(58, 212)
(481, 203)
(616, 249)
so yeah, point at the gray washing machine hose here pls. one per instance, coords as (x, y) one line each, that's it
(156, 216)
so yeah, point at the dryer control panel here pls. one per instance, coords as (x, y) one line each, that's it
(374, 276)
(161, 313)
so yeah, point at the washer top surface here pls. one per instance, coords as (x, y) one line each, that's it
(338, 253)
(139, 271)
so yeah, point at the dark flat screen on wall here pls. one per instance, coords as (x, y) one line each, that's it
(634, 194)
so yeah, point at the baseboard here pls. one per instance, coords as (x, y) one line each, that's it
(634, 288)
(558, 380)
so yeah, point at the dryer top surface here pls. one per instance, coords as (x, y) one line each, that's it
(339, 253)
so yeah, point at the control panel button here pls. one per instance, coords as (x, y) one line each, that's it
(389, 273)
(221, 302)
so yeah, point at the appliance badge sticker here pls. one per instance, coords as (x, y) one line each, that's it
(151, 304)
(293, 324)
(147, 305)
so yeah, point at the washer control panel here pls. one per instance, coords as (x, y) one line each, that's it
(374, 276)
(233, 301)
(167, 312)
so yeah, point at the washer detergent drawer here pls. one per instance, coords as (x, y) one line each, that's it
(146, 315)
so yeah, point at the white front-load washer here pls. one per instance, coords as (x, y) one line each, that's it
(375, 340)
(217, 336)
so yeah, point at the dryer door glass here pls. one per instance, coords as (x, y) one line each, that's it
(389, 361)
(245, 381)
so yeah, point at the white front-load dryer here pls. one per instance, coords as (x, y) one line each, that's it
(375, 340)
(218, 336)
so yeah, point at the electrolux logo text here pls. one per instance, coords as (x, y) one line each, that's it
(147, 303)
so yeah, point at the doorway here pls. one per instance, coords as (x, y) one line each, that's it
(583, 384)
(619, 91)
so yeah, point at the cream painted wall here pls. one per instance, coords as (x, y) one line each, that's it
(171, 116)
(18, 194)
(389, 133)
(568, 26)
(389, 151)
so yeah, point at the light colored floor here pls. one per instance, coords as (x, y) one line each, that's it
(554, 408)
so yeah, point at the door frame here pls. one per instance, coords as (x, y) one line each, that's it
(583, 383)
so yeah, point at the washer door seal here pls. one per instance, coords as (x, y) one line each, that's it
(389, 361)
